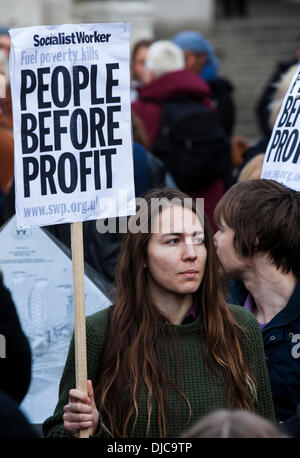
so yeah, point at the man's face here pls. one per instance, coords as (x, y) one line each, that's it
(5, 44)
(233, 263)
(138, 66)
(194, 62)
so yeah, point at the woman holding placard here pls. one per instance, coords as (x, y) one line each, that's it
(170, 350)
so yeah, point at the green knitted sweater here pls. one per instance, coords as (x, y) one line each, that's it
(200, 384)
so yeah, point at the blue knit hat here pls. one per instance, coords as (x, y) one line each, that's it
(194, 41)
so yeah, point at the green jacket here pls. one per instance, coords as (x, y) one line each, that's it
(204, 389)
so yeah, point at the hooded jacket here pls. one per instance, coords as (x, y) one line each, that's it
(181, 83)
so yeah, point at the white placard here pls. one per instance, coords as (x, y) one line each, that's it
(72, 123)
(39, 276)
(282, 158)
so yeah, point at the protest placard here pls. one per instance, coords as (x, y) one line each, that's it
(72, 123)
(282, 158)
(72, 133)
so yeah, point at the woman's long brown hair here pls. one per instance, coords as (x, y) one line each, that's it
(130, 363)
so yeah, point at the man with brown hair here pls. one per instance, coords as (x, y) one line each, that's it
(258, 243)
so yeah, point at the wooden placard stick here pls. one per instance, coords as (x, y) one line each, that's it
(79, 311)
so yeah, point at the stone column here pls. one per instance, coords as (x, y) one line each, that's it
(25, 13)
(174, 13)
(16, 13)
(139, 13)
(57, 11)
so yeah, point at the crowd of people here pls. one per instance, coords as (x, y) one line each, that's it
(203, 335)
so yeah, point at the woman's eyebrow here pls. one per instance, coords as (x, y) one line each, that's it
(178, 234)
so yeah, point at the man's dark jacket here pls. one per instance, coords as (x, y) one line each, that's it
(15, 367)
(281, 338)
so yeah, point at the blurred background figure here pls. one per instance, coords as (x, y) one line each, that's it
(149, 170)
(164, 60)
(264, 103)
(182, 125)
(273, 109)
(225, 424)
(4, 41)
(235, 8)
(139, 133)
(252, 170)
(200, 58)
(13, 423)
(280, 91)
(6, 132)
(6, 122)
(138, 59)
(15, 369)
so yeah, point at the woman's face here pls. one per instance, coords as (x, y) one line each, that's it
(176, 252)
